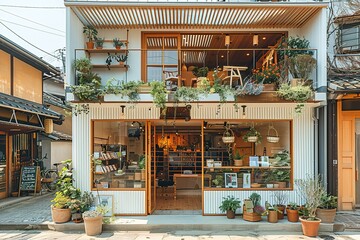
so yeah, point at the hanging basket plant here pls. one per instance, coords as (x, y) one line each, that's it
(272, 136)
(228, 136)
(252, 136)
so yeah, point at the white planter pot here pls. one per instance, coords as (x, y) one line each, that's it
(269, 185)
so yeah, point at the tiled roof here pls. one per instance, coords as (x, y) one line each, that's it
(55, 101)
(55, 135)
(344, 83)
(9, 101)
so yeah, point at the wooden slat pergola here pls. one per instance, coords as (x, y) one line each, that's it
(194, 15)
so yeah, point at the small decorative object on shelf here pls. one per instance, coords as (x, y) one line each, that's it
(99, 42)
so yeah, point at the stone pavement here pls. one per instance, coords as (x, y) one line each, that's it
(25, 212)
(175, 235)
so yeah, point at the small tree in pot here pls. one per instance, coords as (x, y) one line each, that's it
(91, 34)
(230, 205)
(311, 188)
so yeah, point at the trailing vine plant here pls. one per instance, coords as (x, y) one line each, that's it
(299, 94)
(159, 93)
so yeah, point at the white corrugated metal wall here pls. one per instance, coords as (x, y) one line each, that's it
(303, 145)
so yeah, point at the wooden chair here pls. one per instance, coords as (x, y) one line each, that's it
(234, 73)
(171, 79)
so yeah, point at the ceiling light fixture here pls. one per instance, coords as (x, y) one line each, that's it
(205, 124)
(255, 40)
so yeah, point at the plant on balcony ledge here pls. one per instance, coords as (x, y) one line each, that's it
(299, 94)
(129, 89)
(89, 85)
(267, 74)
(158, 92)
(90, 33)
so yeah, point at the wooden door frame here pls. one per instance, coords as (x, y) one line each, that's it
(7, 168)
(346, 186)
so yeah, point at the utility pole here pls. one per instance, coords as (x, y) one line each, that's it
(61, 53)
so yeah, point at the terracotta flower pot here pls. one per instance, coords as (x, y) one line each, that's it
(280, 214)
(292, 215)
(310, 228)
(60, 215)
(230, 214)
(93, 225)
(326, 215)
(90, 45)
(272, 217)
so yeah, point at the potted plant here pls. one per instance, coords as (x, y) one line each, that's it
(97, 164)
(99, 42)
(80, 205)
(218, 181)
(65, 193)
(300, 68)
(83, 65)
(90, 33)
(299, 94)
(312, 189)
(201, 75)
(118, 43)
(122, 59)
(270, 179)
(280, 201)
(252, 210)
(281, 177)
(142, 166)
(327, 209)
(93, 220)
(230, 205)
(238, 159)
(252, 136)
(159, 93)
(271, 212)
(267, 75)
(292, 212)
(60, 210)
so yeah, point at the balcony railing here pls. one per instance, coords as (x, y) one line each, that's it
(261, 65)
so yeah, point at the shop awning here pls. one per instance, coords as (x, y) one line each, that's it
(19, 115)
(193, 15)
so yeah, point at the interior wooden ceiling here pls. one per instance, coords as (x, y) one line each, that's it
(209, 49)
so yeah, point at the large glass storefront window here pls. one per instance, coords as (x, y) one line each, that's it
(254, 155)
(118, 158)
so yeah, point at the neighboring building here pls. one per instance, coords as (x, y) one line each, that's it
(23, 114)
(161, 37)
(344, 104)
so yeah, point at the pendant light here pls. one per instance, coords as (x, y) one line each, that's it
(255, 40)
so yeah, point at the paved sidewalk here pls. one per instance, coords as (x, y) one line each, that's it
(24, 212)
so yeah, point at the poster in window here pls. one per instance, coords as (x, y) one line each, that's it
(231, 180)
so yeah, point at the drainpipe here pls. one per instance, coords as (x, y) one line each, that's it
(320, 143)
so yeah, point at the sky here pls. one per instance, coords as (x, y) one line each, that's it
(40, 23)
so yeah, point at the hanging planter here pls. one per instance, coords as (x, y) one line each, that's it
(252, 136)
(272, 136)
(228, 136)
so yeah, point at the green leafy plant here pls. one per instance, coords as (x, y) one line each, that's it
(159, 93)
(301, 66)
(282, 159)
(270, 176)
(117, 42)
(252, 133)
(82, 204)
(99, 42)
(266, 74)
(328, 201)
(90, 32)
(83, 65)
(297, 94)
(61, 201)
(293, 206)
(237, 155)
(255, 198)
(142, 161)
(292, 46)
(124, 89)
(186, 94)
(281, 175)
(218, 181)
(200, 72)
(64, 184)
(268, 208)
(230, 203)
